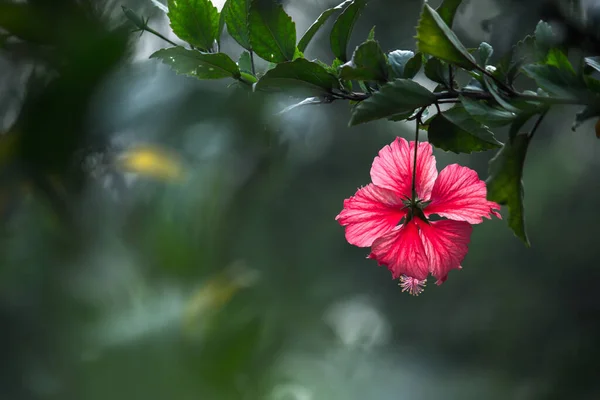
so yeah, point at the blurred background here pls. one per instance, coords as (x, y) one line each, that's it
(211, 267)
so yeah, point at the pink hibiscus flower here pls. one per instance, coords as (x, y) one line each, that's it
(386, 216)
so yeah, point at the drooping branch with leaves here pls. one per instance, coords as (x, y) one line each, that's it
(380, 85)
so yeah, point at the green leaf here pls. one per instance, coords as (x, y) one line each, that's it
(437, 71)
(434, 37)
(314, 28)
(300, 76)
(495, 92)
(236, 14)
(368, 64)
(560, 60)
(455, 130)
(371, 34)
(447, 10)
(404, 63)
(545, 39)
(342, 28)
(194, 21)
(505, 185)
(558, 81)
(245, 62)
(486, 114)
(272, 31)
(221, 23)
(485, 53)
(397, 97)
(298, 54)
(197, 64)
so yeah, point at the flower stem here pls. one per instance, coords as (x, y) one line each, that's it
(537, 124)
(252, 62)
(414, 174)
(155, 33)
(476, 95)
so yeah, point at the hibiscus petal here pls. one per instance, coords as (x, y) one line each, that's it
(460, 195)
(392, 169)
(446, 244)
(402, 252)
(369, 214)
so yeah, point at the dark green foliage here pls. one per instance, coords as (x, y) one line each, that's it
(505, 184)
(368, 63)
(398, 96)
(342, 29)
(455, 130)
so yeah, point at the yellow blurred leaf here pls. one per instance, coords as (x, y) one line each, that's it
(154, 162)
(216, 293)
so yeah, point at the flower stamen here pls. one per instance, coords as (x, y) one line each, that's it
(412, 285)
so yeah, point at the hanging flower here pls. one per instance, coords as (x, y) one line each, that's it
(392, 215)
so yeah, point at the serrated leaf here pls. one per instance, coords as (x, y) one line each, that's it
(455, 130)
(505, 185)
(437, 71)
(485, 53)
(397, 97)
(545, 39)
(342, 29)
(198, 64)
(447, 10)
(486, 114)
(435, 38)
(245, 62)
(300, 76)
(404, 63)
(272, 31)
(368, 64)
(319, 22)
(236, 13)
(194, 21)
